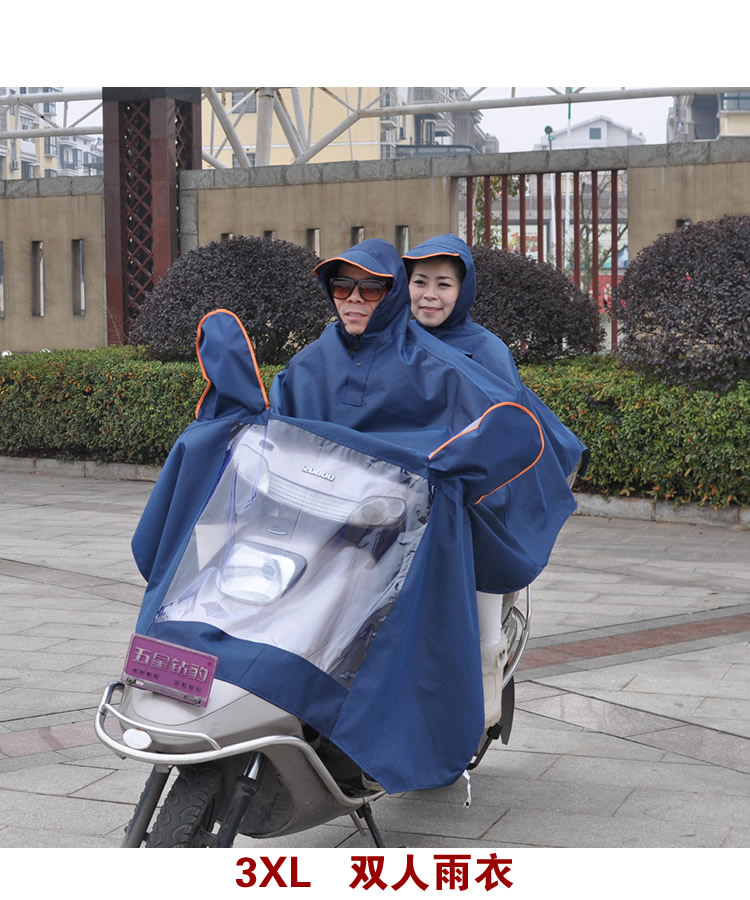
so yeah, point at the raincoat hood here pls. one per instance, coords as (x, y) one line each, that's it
(379, 258)
(449, 245)
(492, 354)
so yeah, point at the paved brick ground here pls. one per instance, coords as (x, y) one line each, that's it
(633, 701)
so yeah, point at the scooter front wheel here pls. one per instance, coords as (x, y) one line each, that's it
(190, 810)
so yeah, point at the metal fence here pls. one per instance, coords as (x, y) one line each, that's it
(577, 228)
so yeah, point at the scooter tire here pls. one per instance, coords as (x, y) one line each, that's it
(190, 809)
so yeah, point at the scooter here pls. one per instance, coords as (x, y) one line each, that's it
(277, 534)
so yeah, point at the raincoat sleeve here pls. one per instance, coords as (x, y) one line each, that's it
(234, 392)
(494, 450)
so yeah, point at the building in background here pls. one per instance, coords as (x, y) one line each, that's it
(44, 156)
(600, 131)
(706, 117)
(444, 132)
(312, 114)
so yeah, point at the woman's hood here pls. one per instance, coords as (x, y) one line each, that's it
(380, 258)
(450, 245)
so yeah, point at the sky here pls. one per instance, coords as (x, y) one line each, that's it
(521, 129)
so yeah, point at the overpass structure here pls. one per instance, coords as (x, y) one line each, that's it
(269, 104)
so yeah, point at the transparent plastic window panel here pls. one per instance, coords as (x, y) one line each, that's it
(304, 545)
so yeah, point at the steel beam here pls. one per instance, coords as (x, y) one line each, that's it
(33, 133)
(266, 97)
(221, 114)
(49, 97)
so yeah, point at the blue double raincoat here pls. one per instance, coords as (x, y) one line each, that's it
(370, 635)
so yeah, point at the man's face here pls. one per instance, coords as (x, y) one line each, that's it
(354, 310)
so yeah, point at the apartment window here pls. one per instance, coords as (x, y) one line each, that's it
(27, 170)
(736, 101)
(2, 282)
(595, 134)
(26, 123)
(250, 159)
(50, 173)
(50, 146)
(252, 103)
(49, 107)
(402, 239)
(358, 234)
(78, 276)
(313, 240)
(37, 278)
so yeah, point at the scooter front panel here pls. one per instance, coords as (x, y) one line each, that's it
(303, 546)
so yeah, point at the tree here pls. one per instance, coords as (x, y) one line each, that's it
(269, 284)
(604, 232)
(496, 190)
(533, 306)
(684, 305)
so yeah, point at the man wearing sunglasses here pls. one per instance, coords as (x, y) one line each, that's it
(355, 294)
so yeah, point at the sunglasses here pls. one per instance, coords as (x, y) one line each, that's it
(370, 289)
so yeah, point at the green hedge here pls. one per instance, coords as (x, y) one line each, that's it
(110, 405)
(649, 440)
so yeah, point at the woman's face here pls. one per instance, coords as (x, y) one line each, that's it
(434, 288)
(354, 311)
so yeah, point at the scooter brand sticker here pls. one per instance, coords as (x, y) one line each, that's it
(164, 668)
(311, 470)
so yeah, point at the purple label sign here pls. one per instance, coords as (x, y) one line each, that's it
(169, 669)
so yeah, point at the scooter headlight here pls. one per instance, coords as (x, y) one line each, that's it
(378, 512)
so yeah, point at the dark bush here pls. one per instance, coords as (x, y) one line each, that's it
(536, 309)
(269, 284)
(684, 305)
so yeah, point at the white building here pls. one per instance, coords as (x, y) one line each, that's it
(600, 131)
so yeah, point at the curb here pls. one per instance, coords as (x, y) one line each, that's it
(588, 504)
(661, 511)
(79, 468)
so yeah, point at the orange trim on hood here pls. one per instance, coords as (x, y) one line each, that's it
(356, 265)
(428, 255)
(200, 361)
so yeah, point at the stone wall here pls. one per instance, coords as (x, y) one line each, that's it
(320, 205)
(55, 212)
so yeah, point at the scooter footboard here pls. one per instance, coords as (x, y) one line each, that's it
(292, 797)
